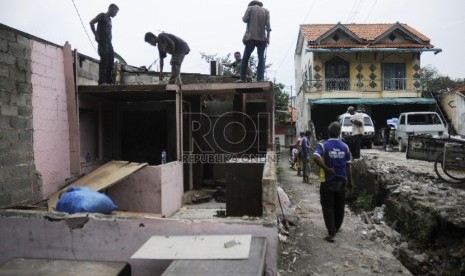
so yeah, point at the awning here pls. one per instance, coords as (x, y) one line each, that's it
(382, 101)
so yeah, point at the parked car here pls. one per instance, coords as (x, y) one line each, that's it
(346, 129)
(412, 123)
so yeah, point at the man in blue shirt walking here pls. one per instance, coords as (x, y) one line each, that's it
(334, 158)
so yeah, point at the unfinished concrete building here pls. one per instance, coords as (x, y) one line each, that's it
(58, 128)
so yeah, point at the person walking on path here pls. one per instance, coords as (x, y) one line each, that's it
(103, 37)
(334, 158)
(306, 152)
(299, 153)
(357, 131)
(173, 45)
(257, 35)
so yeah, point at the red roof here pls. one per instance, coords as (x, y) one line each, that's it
(368, 33)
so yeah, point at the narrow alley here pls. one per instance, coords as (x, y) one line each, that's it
(305, 252)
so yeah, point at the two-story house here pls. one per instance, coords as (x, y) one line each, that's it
(373, 67)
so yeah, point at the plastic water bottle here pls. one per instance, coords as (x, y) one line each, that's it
(163, 157)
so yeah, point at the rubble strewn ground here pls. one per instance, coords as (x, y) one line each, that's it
(402, 210)
(358, 249)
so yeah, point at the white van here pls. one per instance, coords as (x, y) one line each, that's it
(346, 129)
(411, 123)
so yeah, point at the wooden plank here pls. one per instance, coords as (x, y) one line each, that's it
(101, 178)
(254, 265)
(195, 247)
(53, 267)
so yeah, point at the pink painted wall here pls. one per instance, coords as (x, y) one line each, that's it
(49, 116)
(153, 189)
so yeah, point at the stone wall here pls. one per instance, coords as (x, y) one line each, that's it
(16, 157)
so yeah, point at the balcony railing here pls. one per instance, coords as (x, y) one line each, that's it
(368, 85)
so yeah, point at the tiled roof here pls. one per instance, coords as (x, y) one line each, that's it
(356, 45)
(366, 32)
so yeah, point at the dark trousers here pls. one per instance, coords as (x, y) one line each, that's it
(249, 48)
(176, 62)
(107, 56)
(354, 145)
(332, 199)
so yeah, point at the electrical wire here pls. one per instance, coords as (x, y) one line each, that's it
(82, 23)
(371, 10)
(292, 41)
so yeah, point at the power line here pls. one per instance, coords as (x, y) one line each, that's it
(371, 10)
(292, 42)
(82, 23)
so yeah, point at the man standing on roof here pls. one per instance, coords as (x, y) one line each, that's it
(357, 131)
(256, 35)
(105, 48)
(173, 45)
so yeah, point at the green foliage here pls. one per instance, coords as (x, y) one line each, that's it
(436, 83)
(364, 202)
(279, 171)
(281, 102)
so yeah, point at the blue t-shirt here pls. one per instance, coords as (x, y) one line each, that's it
(336, 155)
(305, 147)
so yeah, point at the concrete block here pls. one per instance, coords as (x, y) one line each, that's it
(25, 111)
(5, 122)
(23, 41)
(13, 159)
(5, 199)
(18, 75)
(4, 147)
(23, 196)
(4, 96)
(25, 135)
(28, 54)
(16, 49)
(52, 51)
(7, 58)
(8, 110)
(23, 64)
(8, 84)
(7, 35)
(19, 123)
(3, 46)
(25, 87)
(21, 146)
(4, 70)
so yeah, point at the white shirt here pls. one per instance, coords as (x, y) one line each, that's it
(356, 130)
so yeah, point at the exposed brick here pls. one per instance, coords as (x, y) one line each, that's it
(8, 110)
(18, 75)
(8, 35)
(21, 146)
(28, 54)
(4, 96)
(23, 41)
(16, 49)
(19, 123)
(25, 111)
(3, 45)
(8, 84)
(5, 200)
(4, 147)
(4, 71)
(7, 58)
(9, 135)
(25, 87)
(23, 64)
(25, 135)
(5, 122)
(17, 162)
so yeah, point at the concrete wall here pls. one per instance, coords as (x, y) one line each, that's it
(16, 157)
(152, 189)
(31, 234)
(50, 116)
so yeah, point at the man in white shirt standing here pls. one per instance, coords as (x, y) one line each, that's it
(357, 131)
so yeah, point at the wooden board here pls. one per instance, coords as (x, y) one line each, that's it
(195, 247)
(254, 265)
(53, 267)
(101, 178)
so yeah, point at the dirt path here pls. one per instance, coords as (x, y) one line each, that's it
(306, 252)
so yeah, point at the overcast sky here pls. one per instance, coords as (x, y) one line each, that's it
(216, 27)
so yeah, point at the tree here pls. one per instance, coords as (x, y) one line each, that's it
(281, 102)
(436, 83)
